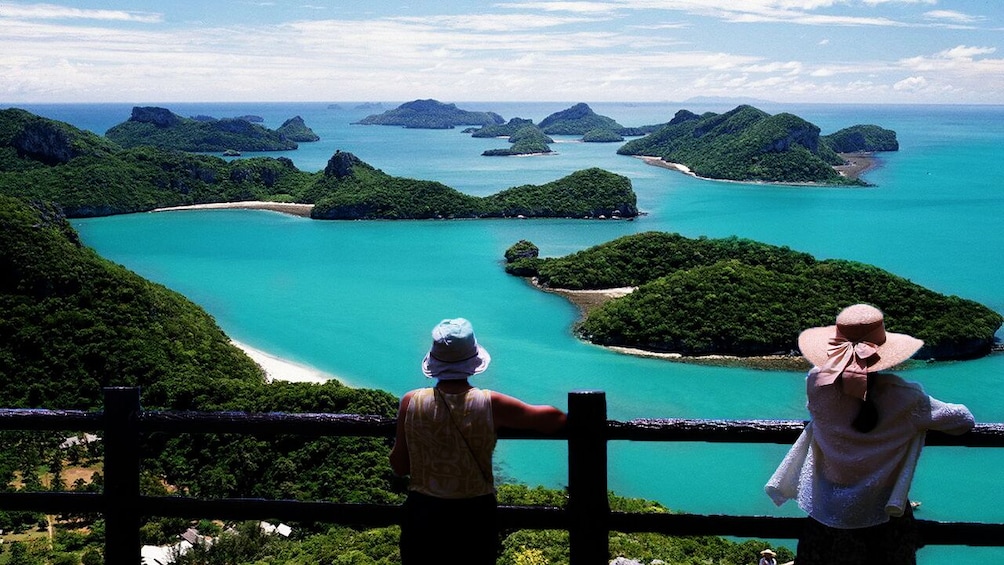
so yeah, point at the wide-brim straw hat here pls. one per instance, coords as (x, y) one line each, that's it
(455, 351)
(768, 552)
(857, 324)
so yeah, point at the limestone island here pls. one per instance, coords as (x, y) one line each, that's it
(738, 301)
(163, 129)
(430, 114)
(88, 175)
(528, 138)
(749, 145)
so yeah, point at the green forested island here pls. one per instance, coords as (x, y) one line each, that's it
(352, 189)
(744, 298)
(748, 144)
(72, 322)
(294, 129)
(527, 140)
(88, 175)
(163, 129)
(431, 114)
(577, 120)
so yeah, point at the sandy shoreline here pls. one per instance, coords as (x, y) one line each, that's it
(586, 300)
(302, 210)
(857, 164)
(278, 369)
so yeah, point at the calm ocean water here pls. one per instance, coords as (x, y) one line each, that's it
(357, 299)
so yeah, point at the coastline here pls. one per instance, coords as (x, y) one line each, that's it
(278, 369)
(586, 300)
(302, 210)
(857, 165)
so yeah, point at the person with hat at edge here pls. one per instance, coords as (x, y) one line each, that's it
(850, 470)
(445, 439)
(768, 557)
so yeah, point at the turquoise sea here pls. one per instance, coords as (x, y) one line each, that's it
(357, 299)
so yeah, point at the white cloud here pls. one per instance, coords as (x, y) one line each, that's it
(911, 84)
(952, 16)
(574, 7)
(52, 12)
(966, 52)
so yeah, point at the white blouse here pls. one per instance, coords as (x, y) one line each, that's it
(844, 478)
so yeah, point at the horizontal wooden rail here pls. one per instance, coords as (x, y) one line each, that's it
(587, 518)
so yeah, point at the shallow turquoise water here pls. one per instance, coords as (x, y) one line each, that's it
(357, 298)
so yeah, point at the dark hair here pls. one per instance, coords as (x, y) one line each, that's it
(868, 415)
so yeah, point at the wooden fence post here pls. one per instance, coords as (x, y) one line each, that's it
(588, 503)
(121, 489)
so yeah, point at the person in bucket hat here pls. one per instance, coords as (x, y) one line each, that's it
(850, 470)
(445, 439)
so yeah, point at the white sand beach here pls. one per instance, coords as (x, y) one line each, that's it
(302, 210)
(278, 369)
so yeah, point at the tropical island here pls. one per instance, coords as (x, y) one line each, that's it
(88, 175)
(749, 145)
(72, 322)
(662, 293)
(352, 189)
(526, 139)
(430, 114)
(163, 129)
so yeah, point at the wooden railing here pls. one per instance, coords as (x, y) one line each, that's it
(587, 517)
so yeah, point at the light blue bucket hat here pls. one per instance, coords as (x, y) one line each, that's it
(455, 352)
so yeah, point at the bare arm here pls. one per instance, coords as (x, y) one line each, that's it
(400, 463)
(510, 412)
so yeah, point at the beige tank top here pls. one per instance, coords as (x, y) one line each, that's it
(443, 464)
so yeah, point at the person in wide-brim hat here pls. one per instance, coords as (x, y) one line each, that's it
(851, 467)
(857, 344)
(858, 324)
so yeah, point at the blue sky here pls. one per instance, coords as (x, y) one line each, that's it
(841, 51)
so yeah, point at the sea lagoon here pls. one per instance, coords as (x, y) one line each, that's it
(357, 299)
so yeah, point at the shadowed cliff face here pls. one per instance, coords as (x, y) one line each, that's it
(160, 117)
(340, 165)
(46, 143)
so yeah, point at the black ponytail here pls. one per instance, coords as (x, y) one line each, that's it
(868, 415)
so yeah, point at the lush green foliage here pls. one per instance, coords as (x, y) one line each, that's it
(507, 129)
(740, 297)
(577, 120)
(248, 544)
(294, 129)
(90, 176)
(744, 144)
(101, 179)
(70, 316)
(352, 189)
(588, 193)
(150, 126)
(430, 114)
(72, 323)
(28, 141)
(862, 138)
(528, 140)
(601, 135)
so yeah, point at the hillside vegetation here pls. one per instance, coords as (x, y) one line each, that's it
(748, 144)
(430, 114)
(163, 129)
(351, 189)
(87, 175)
(72, 322)
(739, 297)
